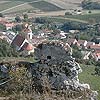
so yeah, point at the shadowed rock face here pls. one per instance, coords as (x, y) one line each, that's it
(53, 51)
(58, 68)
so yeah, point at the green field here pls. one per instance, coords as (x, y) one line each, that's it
(85, 17)
(26, 5)
(87, 77)
(63, 20)
(7, 5)
(45, 6)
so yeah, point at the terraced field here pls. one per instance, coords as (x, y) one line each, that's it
(66, 4)
(9, 4)
(45, 6)
(26, 5)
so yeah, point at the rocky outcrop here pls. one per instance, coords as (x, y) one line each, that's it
(56, 70)
(53, 77)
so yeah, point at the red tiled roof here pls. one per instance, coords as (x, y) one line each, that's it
(97, 51)
(27, 46)
(96, 46)
(8, 24)
(97, 54)
(18, 40)
(36, 40)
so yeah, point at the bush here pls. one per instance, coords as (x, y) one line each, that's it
(2, 27)
(6, 50)
(88, 4)
(68, 13)
(97, 70)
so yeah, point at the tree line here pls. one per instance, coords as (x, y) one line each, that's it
(90, 5)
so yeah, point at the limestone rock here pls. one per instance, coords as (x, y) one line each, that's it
(55, 61)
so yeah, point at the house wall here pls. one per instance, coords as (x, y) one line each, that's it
(85, 43)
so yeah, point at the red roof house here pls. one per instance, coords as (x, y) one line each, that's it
(82, 43)
(19, 41)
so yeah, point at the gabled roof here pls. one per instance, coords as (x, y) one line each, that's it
(18, 40)
(37, 40)
(27, 46)
(70, 41)
(81, 41)
(89, 44)
(7, 24)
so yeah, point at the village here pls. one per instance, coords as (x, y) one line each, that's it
(49, 50)
(26, 40)
(55, 60)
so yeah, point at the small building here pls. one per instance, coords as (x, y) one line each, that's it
(82, 43)
(27, 49)
(71, 41)
(86, 55)
(36, 39)
(89, 44)
(96, 55)
(95, 47)
(9, 25)
(74, 31)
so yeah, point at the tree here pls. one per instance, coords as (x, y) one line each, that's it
(68, 13)
(42, 20)
(73, 26)
(18, 28)
(2, 27)
(77, 54)
(1, 15)
(89, 11)
(6, 50)
(17, 19)
(25, 17)
(92, 21)
(97, 70)
(90, 5)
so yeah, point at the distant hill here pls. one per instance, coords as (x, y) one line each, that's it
(10, 6)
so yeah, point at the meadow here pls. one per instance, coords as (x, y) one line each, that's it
(85, 17)
(88, 76)
(45, 6)
(13, 6)
(7, 5)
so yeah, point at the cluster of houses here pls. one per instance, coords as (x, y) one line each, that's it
(88, 49)
(26, 43)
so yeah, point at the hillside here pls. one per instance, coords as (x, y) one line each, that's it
(9, 6)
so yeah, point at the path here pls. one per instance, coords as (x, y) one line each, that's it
(18, 6)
